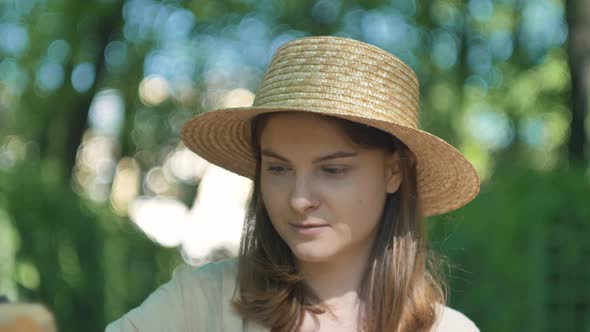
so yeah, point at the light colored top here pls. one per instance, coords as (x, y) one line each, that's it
(198, 299)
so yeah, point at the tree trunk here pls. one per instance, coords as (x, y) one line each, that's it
(578, 18)
(78, 117)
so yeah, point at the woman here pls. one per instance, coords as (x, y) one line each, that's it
(334, 239)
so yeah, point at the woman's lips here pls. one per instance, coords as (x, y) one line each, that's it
(308, 229)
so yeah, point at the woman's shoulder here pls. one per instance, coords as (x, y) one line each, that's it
(451, 320)
(193, 297)
(212, 282)
(213, 271)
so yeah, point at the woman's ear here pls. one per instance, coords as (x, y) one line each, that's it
(393, 172)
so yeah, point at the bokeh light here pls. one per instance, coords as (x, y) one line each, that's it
(489, 127)
(116, 54)
(153, 90)
(59, 51)
(93, 96)
(185, 165)
(15, 38)
(83, 76)
(106, 112)
(95, 166)
(126, 185)
(50, 76)
(162, 219)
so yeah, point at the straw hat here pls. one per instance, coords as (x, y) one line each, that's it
(349, 79)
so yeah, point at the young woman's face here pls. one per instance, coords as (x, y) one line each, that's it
(312, 174)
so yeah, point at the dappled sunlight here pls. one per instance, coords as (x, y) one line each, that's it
(217, 216)
(106, 112)
(95, 166)
(480, 158)
(100, 200)
(488, 127)
(153, 90)
(185, 165)
(126, 185)
(214, 221)
(12, 150)
(237, 98)
(162, 219)
(83, 76)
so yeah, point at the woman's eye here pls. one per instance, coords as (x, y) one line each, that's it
(276, 169)
(335, 170)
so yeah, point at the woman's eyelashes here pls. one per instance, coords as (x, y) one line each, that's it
(329, 170)
(335, 170)
(276, 169)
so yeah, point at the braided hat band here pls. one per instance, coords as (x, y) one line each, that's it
(349, 79)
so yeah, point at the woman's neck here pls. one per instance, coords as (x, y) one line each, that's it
(336, 281)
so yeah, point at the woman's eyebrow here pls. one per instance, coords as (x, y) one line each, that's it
(338, 154)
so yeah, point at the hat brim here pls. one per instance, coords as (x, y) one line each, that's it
(446, 180)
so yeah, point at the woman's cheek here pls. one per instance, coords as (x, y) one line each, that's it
(274, 195)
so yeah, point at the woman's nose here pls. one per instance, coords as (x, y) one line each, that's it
(302, 197)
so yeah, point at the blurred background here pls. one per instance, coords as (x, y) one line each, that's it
(99, 199)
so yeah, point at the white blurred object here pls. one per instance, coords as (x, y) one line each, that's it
(162, 219)
(215, 221)
(185, 165)
(218, 214)
(237, 98)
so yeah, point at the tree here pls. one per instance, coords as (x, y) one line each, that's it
(578, 16)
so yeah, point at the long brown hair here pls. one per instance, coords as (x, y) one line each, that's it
(401, 285)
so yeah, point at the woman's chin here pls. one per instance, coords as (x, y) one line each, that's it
(311, 256)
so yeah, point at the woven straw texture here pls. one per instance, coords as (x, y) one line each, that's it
(348, 79)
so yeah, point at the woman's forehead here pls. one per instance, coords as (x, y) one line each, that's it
(293, 129)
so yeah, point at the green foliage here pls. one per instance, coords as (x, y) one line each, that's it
(85, 263)
(494, 81)
(519, 251)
